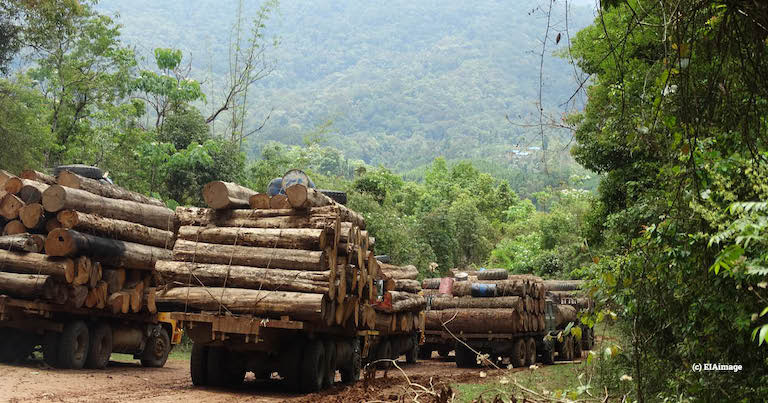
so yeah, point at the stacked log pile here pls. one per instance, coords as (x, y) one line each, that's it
(400, 306)
(81, 242)
(299, 256)
(515, 304)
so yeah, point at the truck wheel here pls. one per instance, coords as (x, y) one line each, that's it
(156, 351)
(444, 352)
(530, 358)
(519, 353)
(577, 350)
(351, 371)
(413, 354)
(548, 352)
(215, 373)
(330, 359)
(100, 347)
(465, 358)
(313, 365)
(73, 345)
(234, 369)
(86, 171)
(384, 352)
(51, 349)
(566, 349)
(425, 353)
(198, 364)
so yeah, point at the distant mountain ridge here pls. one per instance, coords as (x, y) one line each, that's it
(402, 81)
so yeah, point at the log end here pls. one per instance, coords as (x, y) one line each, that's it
(68, 179)
(60, 242)
(216, 195)
(279, 202)
(297, 195)
(54, 198)
(32, 215)
(259, 201)
(13, 185)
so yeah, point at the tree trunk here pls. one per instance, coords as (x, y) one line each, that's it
(35, 263)
(288, 238)
(103, 189)
(290, 259)
(226, 195)
(299, 306)
(25, 285)
(398, 272)
(431, 283)
(215, 275)
(483, 321)
(441, 303)
(115, 279)
(20, 242)
(240, 218)
(259, 201)
(33, 216)
(116, 229)
(407, 302)
(58, 198)
(278, 202)
(302, 197)
(563, 285)
(504, 288)
(10, 205)
(67, 242)
(38, 176)
(565, 314)
(29, 191)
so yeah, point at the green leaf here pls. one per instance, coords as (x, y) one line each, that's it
(764, 311)
(763, 333)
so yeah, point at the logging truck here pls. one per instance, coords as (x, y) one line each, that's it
(78, 338)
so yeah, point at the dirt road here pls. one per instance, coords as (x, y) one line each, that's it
(129, 382)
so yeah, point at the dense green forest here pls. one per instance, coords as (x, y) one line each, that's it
(672, 241)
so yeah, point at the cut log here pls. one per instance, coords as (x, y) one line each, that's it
(38, 176)
(20, 242)
(565, 314)
(82, 270)
(57, 198)
(431, 283)
(119, 302)
(398, 272)
(96, 273)
(116, 229)
(259, 201)
(235, 218)
(150, 296)
(35, 263)
(25, 285)
(4, 176)
(302, 197)
(136, 292)
(226, 195)
(475, 320)
(14, 227)
(33, 216)
(411, 286)
(279, 202)
(384, 322)
(67, 242)
(51, 224)
(493, 274)
(215, 275)
(77, 295)
(32, 192)
(563, 285)
(104, 189)
(441, 303)
(188, 251)
(10, 205)
(502, 288)
(288, 238)
(299, 306)
(407, 302)
(115, 279)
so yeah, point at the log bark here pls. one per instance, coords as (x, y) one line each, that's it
(33, 216)
(431, 283)
(150, 297)
(407, 302)
(288, 238)
(277, 202)
(475, 320)
(10, 205)
(188, 251)
(259, 201)
(119, 302)
(441, 303)
(226, 195)
(565, 314)
(103, 189)
(302, 197)
(215, 275)
(35, 263)
(58, 198)
(493, 274)
(563, 285)
(232, 218)
(77, 295)
(115, 279)
(20, 242)
(82, 270)
(38, 176)
(116, 229)
(29, 191)
(14, 227)
(4, 176)
(506, 288)
(299, 306)
(398, 272)
(25, 285)
(411, 286)
(67, 242)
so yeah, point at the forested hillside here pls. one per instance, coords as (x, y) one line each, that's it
(402, 82)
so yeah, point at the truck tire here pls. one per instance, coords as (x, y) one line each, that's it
(350, 372)
(577, 350)
(565, 349)
(425, 353)
(198, 364)
(86, 171)
(548, 352)
(215, 373)
(413, 354)
(100, 346)
(330, 359)
(530, 358)
(289, 366)
(465, 358)
(384, 352)
(73, 345)
(519, 353)
(335, 195)
(157, 349)
(235, 368)
(313, 365)
(444, 352)
(51, 349)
